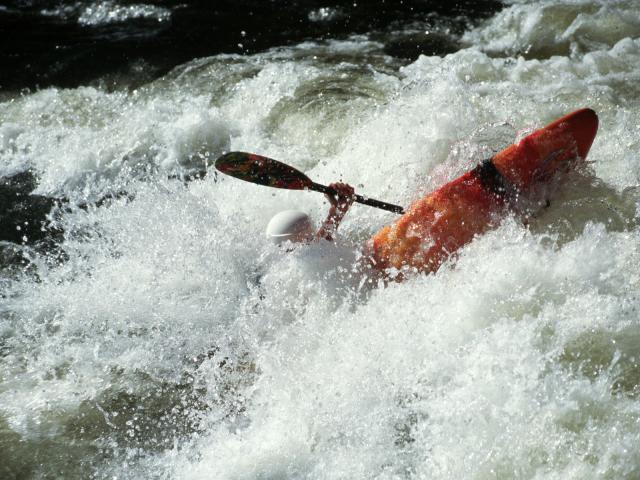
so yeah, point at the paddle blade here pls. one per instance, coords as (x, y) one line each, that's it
(262, 170)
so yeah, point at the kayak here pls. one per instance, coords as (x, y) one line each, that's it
(437, 225)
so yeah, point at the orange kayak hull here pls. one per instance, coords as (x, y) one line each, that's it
(438, 224)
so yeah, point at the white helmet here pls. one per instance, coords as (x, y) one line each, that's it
(291, 225)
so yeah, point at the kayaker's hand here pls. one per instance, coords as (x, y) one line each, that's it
(343, 198)
(340, 203)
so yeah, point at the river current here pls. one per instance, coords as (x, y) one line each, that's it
(148, 329)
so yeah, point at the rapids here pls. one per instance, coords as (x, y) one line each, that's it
(157, 333)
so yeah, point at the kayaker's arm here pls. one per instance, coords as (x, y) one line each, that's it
(340, 204)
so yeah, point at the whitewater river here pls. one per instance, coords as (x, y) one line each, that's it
(152, 331)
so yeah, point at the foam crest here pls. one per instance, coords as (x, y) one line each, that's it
(543, 29)
(89, 141)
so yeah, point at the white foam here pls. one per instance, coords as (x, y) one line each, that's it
(105, 12)
(548, 27)
(86, 140)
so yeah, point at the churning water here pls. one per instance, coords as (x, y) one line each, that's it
(155, 332)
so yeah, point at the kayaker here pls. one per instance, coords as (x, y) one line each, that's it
(296, 226)
(437, 225)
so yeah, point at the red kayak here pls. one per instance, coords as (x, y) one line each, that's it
(437, 225)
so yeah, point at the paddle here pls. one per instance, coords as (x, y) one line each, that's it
(272, 173)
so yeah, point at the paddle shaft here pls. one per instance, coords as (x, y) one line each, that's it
(317, 187)
(260, 170)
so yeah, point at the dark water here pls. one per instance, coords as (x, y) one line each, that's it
(42, 43)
